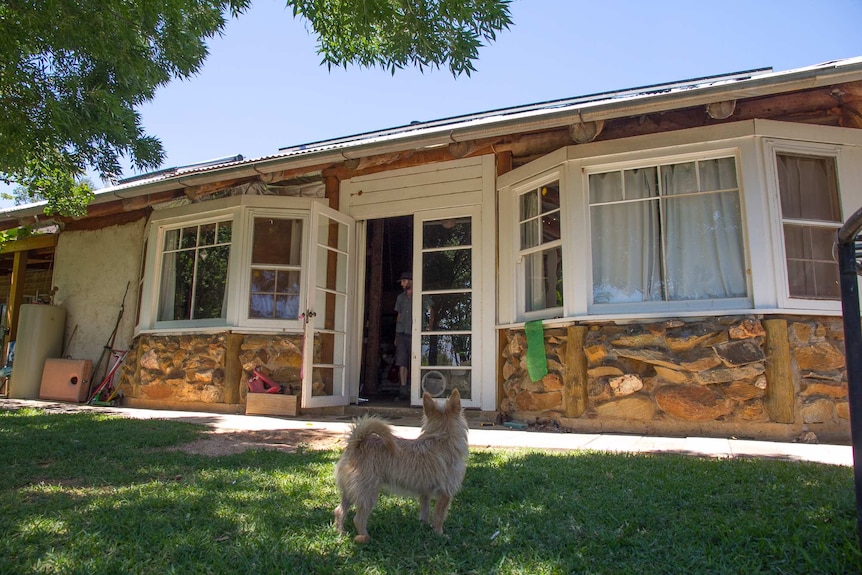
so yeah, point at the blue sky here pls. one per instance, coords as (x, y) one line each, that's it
(262, 87)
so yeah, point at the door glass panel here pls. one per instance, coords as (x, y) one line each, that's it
(446, 312)
(449, 269)
(447, 233)
(448, 350)
(441, 382)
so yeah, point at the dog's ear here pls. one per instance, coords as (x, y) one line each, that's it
(428, 404)
(454, 401)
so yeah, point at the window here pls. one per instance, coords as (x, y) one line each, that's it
(194, 272)
(810, 216)
(540, 251)
(276, 265)
(667, 232)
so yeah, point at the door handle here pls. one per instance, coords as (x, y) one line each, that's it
(308, 315)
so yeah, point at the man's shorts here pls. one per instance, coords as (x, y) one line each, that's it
(402, 349)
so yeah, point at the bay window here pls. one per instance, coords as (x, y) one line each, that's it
(541, 253)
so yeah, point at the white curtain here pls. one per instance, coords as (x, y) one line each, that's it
(701, 234)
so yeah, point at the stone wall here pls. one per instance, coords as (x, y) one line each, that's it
(713, 376)
(207, 371)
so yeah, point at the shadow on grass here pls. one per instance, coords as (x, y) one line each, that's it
(94, 494)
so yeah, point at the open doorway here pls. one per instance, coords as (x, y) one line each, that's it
(389, 253)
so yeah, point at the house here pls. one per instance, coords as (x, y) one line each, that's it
(653, 260)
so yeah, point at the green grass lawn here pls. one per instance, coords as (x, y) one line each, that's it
(86, 493)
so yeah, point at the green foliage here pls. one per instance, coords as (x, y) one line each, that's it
(74, 72)
(393, 34)
(92, 493)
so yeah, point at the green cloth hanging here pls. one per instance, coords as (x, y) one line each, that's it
(537, 362)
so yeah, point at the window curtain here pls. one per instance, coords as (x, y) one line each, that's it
(701, 234)
(625, 246)
(705, 257)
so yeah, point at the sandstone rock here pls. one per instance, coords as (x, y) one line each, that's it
(753, 411)
(552, 382)
(150, 360)
(698, 360)
(626, 384)
(527, 401)
(741, 352)
(816, 388)
(686, 343)
(842, 410)
(799, 331)
(807, 437)
(671, 375)
(747, 328)
(651, 356)
(595, 353)
(156, 391)
(630, 408)
(724, 375)
(599, 390)
(819, 411)
(604, 371)
(639, 341)
(696, 403)
(741, 391)
(819, 357)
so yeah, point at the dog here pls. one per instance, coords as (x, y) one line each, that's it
(432, 466)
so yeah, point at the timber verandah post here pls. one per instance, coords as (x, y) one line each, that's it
(849, 270)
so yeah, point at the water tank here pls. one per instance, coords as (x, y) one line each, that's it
(40, 335)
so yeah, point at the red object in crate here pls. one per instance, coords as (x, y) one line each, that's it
(259, 383)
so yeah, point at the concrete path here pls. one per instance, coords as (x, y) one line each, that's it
(485, 435)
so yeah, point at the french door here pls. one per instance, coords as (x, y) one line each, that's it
(445, 312)
(324, 379)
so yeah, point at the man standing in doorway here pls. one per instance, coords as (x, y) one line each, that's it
(403, 329)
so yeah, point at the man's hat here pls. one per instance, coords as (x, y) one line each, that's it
(406, 276)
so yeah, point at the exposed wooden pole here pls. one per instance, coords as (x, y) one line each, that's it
(780, 396)
(375, 288)
(575, 388)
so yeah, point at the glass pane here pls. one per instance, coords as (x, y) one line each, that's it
(679, 179)
(207, 235)
(529, 234)
(544, 279)
(450, 312)
(211, 282)
(277, 242)
(287, 307)
(626, 266)
(550, 227)
(439, 383)
(332, 233)
(808, 188)
(172, 238)
(529, 206)
(189, 237)
(326, 381)
(550, 196)
(176, 286)
(704, 250)
(447, 233)
(447, 270)
(718, 174)
(446, 350)
(330, 348)
(331, 310)
(641, 183)
(606, 187)
(287, 282)
(224, 232)
(813, 280)
(331, 270)
(263, 281)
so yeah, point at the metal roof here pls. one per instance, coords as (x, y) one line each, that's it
(543, 115)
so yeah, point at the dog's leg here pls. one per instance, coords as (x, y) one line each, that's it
(341, 513)
(364, 506)
(424, 507)
(441, 509)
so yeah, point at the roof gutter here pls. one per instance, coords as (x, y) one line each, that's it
(490, 127)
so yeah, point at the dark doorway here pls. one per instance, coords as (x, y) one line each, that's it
(389, 253)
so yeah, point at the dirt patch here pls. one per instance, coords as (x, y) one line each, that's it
(215, 443)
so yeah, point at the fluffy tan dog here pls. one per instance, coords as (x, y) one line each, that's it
(431, 466)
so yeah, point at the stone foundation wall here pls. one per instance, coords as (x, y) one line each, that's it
(742, 376)
(208, 369)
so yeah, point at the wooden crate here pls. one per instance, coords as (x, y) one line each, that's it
(271, 404)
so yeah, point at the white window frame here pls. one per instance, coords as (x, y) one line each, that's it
(772, 148)
(241, 211)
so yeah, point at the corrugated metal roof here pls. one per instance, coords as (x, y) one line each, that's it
(543, 114)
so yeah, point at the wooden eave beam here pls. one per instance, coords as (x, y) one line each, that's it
(32, 243)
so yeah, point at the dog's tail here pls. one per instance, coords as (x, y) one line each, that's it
(368, 426)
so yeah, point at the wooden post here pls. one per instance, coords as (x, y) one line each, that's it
(233, 380)
(780, 395)
(575, 391)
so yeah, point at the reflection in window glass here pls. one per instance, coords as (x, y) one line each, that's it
(276, 269)
(195, 263)
(540, 253)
